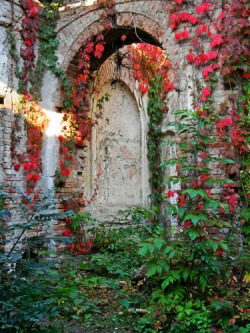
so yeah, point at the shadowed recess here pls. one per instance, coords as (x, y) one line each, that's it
(113, 42)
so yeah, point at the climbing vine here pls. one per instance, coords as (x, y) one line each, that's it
(29, 31)
(47, 58)
(30, 161)
(151, 69)
(77, 125)
(34, 117)
(226, 36)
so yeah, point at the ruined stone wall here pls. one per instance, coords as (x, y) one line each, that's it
(78, 22)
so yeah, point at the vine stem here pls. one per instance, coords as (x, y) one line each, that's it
(14, 245)
(18, 238)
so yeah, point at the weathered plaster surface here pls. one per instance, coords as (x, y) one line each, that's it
(116, 151)
(5, 10)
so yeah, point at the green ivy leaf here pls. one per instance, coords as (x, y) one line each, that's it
(144, 249)
(195, 192)
(167, 249)
(224, 206)
(215, 246)
(192, 234)
(124, 302)
(152, 270)
(203, 281)
(172, 254)
(164, 284)
(158, 243)
(246, 213)
(181, 211)
(195, 218)
(211, 203)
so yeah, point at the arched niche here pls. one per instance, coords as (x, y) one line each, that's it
(117, 151)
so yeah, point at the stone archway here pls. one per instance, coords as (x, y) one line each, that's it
(77, 25)
(137, 27)
(75, 28)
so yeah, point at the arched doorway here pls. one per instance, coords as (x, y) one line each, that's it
(114, 40)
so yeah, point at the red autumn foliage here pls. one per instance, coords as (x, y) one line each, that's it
(29, 30)
(170, 194)
(17, 167)
(187, 224)
(205, 93)
(182, 35)
(203, 8)
(67, 233)
(148, 60)
(181, 200)
(99, 50)
(216, 41)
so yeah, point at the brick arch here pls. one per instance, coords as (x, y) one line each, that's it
(71, 37)
(72, 32)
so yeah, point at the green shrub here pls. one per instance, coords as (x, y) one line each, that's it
(27, 284)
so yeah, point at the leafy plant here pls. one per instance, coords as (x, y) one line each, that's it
(27, 293)
(187, 272)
